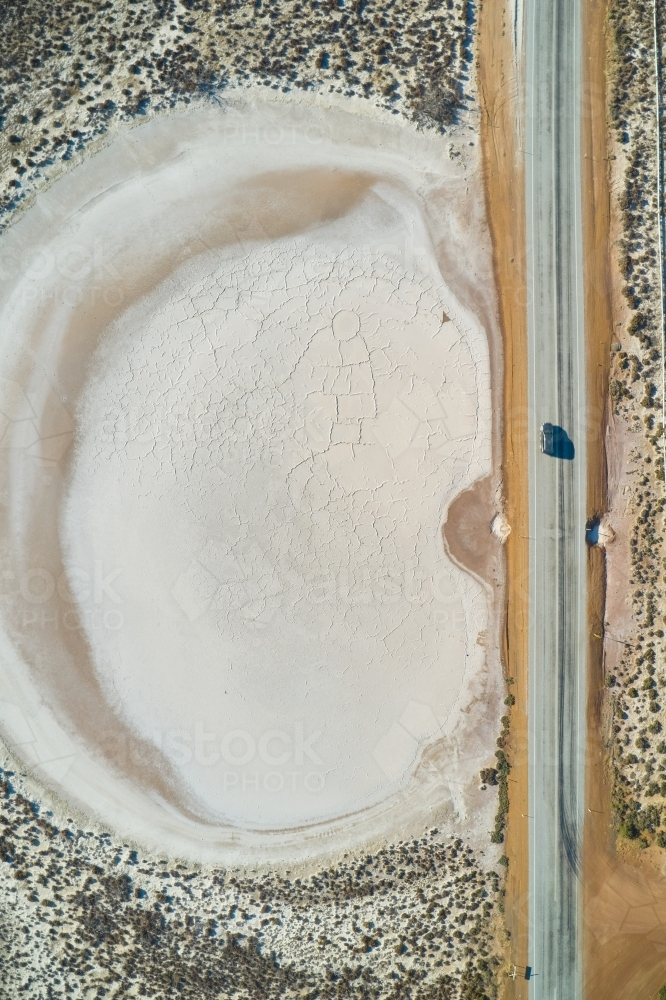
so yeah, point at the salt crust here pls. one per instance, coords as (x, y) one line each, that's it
(268, 441)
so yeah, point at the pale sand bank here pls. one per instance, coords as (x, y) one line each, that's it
(242, 397)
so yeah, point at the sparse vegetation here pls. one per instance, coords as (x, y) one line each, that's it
(503, 771)
(94, 915)
(636, 694)
(69, 72)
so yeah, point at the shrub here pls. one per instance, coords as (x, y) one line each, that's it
(648, 819)
(628, 830)
(638, 322)
(488, 775)
(503, 769)
(618, 390)
(648, 396)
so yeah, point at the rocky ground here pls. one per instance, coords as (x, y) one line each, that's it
(636, 677)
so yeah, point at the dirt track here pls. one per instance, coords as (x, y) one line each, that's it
(500, 97)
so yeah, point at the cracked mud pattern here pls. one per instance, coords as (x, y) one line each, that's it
(241, 521)
(302, 489)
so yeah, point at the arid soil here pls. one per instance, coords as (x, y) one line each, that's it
(500, 99)
(468, 532)
(625, 888)
(625, 884)
(634, 647)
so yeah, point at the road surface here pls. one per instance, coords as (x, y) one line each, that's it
(552, 52)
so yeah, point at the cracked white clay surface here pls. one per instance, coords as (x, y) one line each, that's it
(240, 504)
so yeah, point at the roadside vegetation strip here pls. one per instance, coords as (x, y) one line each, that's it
(660, 216)
(503, 771)
(637, 681)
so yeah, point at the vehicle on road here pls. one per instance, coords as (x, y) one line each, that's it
(547, 439)
(556, 442)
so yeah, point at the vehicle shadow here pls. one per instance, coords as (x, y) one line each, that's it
(563, 446)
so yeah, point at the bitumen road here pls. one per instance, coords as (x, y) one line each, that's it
(557, 484)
